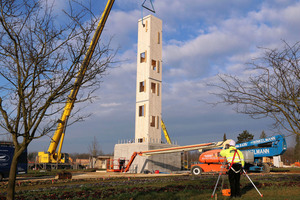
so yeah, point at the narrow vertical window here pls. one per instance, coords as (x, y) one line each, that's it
(152, 121)
(158, 67)
(157, 89)
(146, 25)
(153, 64)
(143, 57)
(153, 88)
(142, 86)
(141, 111)
(157, 122)
(158, 37)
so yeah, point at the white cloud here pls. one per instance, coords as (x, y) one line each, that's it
(234, 38)
(106, 105)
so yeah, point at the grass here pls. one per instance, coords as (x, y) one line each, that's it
(281, 169)
(272, 186)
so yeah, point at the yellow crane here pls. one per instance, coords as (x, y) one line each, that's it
(165, 132)
(51, 156)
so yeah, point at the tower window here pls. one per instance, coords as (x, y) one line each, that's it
(158, 37)
(158, 67)
(152, 121)
(143, 57)
(153, 64)
(153, 88)
(142, 110)
(142, 86)
(157, 122)
(146, 25)
(157, 89)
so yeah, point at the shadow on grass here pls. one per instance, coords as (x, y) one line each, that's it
(248, 187)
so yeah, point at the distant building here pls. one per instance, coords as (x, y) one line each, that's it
(99, 162)
(83, 162)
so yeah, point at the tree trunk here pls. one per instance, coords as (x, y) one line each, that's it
(13, 173)
(12, 179)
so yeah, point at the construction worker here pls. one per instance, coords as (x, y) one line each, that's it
(235, 160)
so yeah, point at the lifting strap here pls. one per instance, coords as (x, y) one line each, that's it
(150, 9)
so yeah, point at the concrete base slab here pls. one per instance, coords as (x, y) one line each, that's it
(163, 162)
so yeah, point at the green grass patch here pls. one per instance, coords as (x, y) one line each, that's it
(284, 169)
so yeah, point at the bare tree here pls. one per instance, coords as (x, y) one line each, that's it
(94, 148)
(40, 58)
(262, 135)
(272, 91)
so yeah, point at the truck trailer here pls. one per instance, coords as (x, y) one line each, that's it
(7, 150)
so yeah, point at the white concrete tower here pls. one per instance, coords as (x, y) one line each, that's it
(148, 104)
(149, 79)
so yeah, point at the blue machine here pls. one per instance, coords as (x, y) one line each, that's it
(265, 147)
(6, 154)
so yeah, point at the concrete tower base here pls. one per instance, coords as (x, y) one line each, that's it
(163, 162)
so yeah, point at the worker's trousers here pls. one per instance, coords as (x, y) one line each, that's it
(234, 179)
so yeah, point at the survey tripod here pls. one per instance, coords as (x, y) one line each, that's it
(221, 173)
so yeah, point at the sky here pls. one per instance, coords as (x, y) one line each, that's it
(201, 39)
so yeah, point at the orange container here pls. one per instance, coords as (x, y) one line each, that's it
(226, 192)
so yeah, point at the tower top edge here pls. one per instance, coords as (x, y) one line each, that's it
(150, 16)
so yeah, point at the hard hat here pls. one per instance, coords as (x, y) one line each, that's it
(232, 143)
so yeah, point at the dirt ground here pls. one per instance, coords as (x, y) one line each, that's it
(113, 174)
(117, 174)
(104, 174)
